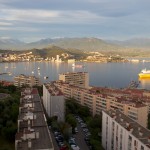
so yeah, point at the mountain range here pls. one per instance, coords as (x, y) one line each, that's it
(85, 44)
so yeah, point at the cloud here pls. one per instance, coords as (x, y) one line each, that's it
(6, 23)
(24, 29)
(47, 16)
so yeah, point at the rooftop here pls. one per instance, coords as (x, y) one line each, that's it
(53, 90)
(123, 96)
(33, 132)
(132, 126)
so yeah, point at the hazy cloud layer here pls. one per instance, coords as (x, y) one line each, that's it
(111, 19)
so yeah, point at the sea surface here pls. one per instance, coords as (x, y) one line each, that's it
(115, 75)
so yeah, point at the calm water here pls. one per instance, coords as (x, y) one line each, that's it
(117, 75)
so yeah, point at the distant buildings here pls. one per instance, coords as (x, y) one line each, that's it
(98, 99)
(53, 101)
(80, 79)
(71, 60)
(33, 132)
(23, 80)
(57, 59)
(119, 132)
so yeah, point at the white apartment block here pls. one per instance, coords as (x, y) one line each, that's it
(98, 101)
(53, 101)
(30, 81)
(119, 132)
(80, 79)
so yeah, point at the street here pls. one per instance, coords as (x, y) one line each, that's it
(79, 138)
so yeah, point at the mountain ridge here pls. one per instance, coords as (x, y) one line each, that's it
(85, 44)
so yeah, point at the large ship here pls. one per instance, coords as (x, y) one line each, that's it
(144, 73)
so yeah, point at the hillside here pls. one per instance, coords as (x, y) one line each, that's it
(77, 46)
(143, 43)
(52, 51)
(86, 44)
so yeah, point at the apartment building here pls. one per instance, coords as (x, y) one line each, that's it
(80, 79)
(33, 132)
(53, 101)
(119, 132)
(105, 99)
(30, 81)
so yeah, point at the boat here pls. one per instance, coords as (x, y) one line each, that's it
(144, 73)
(38, 68)
(77, 66)
(45, 77)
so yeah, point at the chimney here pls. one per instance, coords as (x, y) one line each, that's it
(140, 133)
(114, 117)
(37, 135)
(121, 119)
(28, 121)
(29, 144)
(131, 130)
(127, 124)
(34, 116)
(139, 128)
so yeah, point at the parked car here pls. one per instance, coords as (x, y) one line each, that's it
(75, 147)
(76, 130)
(64, 147)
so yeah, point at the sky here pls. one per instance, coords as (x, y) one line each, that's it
(31, 20)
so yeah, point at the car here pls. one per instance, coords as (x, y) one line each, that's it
(71, 141)
(87, 134)
(80, 120)
(83, 126)
(75, 147)
(56, 133)
(76, 130)
(60, 144)
(85, 130)
(86, 139)
(64, 147)
(59, 139)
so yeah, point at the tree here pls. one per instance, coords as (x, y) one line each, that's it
(71, 120)
(84, 111)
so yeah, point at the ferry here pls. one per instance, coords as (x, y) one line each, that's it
(77, 66)
(144, 73)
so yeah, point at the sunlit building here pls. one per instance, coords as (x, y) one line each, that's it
(119, 132)
(105, 99)
(23, 80)
(80, 79)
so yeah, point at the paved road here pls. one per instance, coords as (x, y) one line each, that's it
(79, 138)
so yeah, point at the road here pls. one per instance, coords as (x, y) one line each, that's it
(79, 138)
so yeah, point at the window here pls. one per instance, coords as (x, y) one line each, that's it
(142, 147)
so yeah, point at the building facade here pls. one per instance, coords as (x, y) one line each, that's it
(53, 101)
(80, 79)
(120, 132)
(29, 81)
(104, 99)
(33, 132)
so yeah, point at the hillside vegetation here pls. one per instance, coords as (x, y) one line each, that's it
(54, 50)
